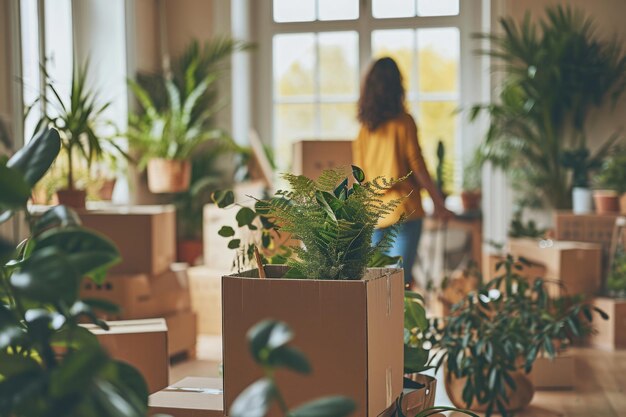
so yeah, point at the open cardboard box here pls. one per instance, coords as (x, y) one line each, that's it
(351, 332)
(144, 235)
(141, 343)
(576, 265)
(189, 397)
(610, 334)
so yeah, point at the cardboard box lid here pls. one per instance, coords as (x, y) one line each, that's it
(549, 244)
(191, 393)
(129, 326)
(137, 210)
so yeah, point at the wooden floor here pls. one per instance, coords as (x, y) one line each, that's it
(600, 386)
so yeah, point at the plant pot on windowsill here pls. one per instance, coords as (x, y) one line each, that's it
(72, 197)
(519, 398)
(105, 192)
(606, 201)
(168, 175)
(471, 200)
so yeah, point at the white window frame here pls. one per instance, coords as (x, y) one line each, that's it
(471, 77)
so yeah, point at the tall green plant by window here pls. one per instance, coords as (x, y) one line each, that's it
(49, 365)
(556, 71)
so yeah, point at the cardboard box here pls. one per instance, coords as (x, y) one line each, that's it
(144, 235)
(610, 334)
(311, 157)
(141, 296)
(189, 397)
(206, 298)
(141, 343)
(351, 332)
(590, 228)
(558, 373)
(182, 334)
(576, 265)
(416, 400)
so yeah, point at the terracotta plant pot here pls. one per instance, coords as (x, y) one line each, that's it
(471, 200)
(168, 176)
(518, 399)
(606, 201)
(106, 190)
(622, 204)
(72, 198)
(189, 250)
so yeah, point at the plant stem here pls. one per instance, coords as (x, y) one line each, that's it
(70, 172)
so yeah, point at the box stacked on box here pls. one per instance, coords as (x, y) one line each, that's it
(189, 397)
(206, 298)
(146, 283)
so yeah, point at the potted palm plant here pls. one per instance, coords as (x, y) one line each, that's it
(78, 120)
(493, 336)
(557, 70)
(472, 181)
(50, 364)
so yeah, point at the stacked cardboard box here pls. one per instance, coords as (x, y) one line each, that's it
(311, 157)
(206, 298)
(189, 397)
(576, 266)
(146, 284)
(610, 334)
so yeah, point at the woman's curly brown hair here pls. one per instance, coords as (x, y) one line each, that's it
(382, 94)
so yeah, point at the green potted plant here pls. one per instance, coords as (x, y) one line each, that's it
(491, 339)
(581, 163)
(556, 71)
(51, 366)
(78, 120)
(472, 183)
(611, 182)
(616, 281)
(440, 173)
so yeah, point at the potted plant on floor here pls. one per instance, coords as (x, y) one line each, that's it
(557, 70)
(79, 120)
(50, 365)
(492, 338)
(611, 181)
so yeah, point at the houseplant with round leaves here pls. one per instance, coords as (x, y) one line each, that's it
(49, 364)
(79, 119)
(489, 343)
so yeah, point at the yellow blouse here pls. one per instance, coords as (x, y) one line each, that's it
(392, 151)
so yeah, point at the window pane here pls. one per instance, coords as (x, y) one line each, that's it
(30, 63)
(339, 63)
(59, 54)
(436, 120)
(338, 121)
(292, 122)
(438, 59)
(399, 45)
(338, 9)
(393, 8)
(437, 7)
(294, 64)
(294, 11)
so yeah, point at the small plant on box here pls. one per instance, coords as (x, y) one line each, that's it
(493, 337)
(616, 282)
(49, 364)
(332, 219)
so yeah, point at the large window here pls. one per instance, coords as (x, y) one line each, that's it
(320, 48)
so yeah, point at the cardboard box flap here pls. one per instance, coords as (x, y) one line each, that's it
(191, 393)
(130, 326)
(276, 272)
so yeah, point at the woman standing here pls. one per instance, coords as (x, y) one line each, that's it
(388, 146)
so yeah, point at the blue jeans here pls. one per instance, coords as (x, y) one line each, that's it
(405, 245)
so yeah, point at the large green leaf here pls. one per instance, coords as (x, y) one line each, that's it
(325, 407)
(11, 364)
(290, 358)
(48, 277)
(267, 336)
(14, 191)
(415, 359)
(245, 216)
(58, 216)
(223, 198)
(35, 158)
(78, 370)
(254, 401)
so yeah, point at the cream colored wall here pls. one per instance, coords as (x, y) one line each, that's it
(187, 20)
(147, 49)
(6, 87)
(609, 18)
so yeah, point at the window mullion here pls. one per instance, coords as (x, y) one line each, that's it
(317, 88)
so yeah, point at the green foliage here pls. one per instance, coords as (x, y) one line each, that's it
(415, 328)
(334, 221)
(518, 228)
(502, 328)
(269, 346)
(616, 282)
(77, 120)
(472, 172)
(440, 176)
(556, 71)
(612, 175)
(49, 365)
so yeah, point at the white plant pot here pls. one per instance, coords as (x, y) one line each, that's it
(582, 200)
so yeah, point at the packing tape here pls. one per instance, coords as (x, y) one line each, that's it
(389, 387)
(212, 391)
